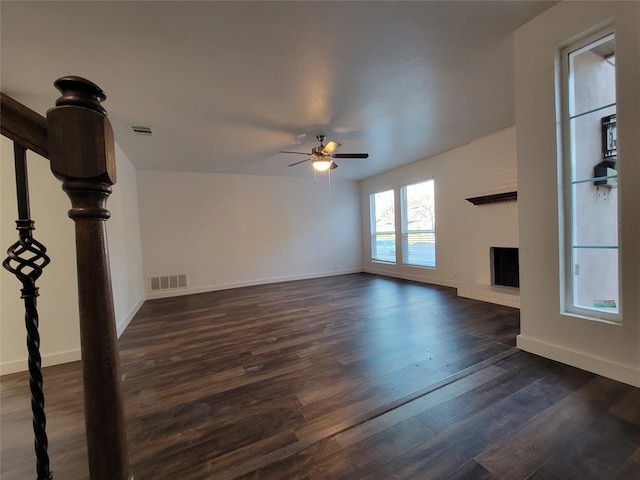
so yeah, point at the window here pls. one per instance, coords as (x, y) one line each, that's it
(419, 225)
(589, 180)
(383, 227)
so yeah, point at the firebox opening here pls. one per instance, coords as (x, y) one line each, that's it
(505, 268)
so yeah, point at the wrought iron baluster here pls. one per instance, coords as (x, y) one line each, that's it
(26, 259)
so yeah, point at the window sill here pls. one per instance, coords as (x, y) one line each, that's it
(382, 262)
(609, 321)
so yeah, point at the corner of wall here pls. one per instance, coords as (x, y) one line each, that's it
(585, 361)
(125, 248)
(609, 350)
(123, 323)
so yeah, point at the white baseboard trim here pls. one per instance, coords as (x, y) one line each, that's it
(487, 293)
(47, 361)
(250, 283)
(414, 278)
(123, 323)
(65, 357)
(622, 373)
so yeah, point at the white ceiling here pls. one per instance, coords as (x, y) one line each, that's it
(226, 85)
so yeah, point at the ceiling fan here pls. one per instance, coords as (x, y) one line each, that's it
(322, 157)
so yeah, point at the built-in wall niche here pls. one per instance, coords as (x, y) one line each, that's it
(505, 267)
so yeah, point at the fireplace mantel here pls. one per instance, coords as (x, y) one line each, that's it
(495, 198)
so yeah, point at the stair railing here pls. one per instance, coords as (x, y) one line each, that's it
(77, 138)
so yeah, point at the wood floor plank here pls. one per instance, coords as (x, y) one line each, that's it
(353, 376)
(597, 450)
(628, 407)
(631, 468)
(382, 448)
(441, 417)
(440, 455)
(417, 406)
(470, 470)
(549, 432)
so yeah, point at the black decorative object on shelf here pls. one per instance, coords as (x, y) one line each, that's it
(495, 198)
(606, 171)
(609, 137)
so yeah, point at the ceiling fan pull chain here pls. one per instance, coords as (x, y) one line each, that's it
(329, 181)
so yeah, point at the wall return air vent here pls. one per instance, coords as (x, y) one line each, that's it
(141, 130)
(169, 282)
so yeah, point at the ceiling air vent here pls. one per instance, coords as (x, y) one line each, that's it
(141, 130)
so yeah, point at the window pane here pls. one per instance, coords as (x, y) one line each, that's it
(383, 222)
(590, 184)
(421, 249)
(385, 248)
(595, 274)
(593, 72)
(595, 219)
(586, 140)
(418, 225)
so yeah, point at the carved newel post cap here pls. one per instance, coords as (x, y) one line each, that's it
(80, 137)
(80, 92)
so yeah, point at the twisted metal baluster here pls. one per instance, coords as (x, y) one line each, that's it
(26, 259)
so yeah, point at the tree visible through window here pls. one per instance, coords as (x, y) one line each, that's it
(590, 179)
(419, 225)
(383, 227)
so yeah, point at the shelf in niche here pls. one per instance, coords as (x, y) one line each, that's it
(495, 198)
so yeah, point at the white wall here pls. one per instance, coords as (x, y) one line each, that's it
(464, 232)
(607, 349)
(243, 230)
(125, 246)
(57, 303)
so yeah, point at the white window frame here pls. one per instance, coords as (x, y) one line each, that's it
(566, 192)
(406, 232)
(375, 233)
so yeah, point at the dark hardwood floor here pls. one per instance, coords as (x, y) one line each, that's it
(349, 377)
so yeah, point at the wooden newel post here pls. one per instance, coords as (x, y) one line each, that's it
(81, 150)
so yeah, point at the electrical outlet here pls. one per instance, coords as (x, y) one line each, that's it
(214, 281)
(602, 194)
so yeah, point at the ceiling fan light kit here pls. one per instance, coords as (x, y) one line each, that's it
(321, 164)
(322, 157)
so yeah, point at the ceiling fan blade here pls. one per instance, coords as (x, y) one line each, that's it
(299, 153)
(350, 155)
(298, 163)
(330, 147)
(333, 166)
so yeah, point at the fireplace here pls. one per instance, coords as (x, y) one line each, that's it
(505, 269)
